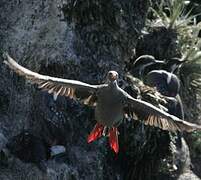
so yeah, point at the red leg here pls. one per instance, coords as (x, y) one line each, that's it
(113, 139)
(95, 133)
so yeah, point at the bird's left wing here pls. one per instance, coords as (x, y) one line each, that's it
(56, 86)
(153, 116)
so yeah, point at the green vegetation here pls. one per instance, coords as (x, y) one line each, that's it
(174, 15)
(183, 17)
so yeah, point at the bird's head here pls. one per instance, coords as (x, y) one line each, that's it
(112, 76)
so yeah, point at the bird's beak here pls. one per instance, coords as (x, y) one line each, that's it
(182, 62)
(113, 77)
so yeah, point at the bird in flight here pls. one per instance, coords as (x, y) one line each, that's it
(110, 101)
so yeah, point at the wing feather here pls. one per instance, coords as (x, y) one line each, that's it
(53, 85)
(154, 116)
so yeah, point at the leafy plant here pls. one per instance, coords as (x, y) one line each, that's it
(173, 15)
(191, 70)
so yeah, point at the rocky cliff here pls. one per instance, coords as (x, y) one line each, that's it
(81, 40)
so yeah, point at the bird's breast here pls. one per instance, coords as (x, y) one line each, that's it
(109, 109)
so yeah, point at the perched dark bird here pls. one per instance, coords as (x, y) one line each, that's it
(147, 63)
(168, 85)
(109, 101)
(164, 80)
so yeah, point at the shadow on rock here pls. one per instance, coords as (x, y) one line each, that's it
(30, 148)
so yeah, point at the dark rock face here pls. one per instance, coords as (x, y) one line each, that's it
(107, 30)
(95, 37)
(30, 148)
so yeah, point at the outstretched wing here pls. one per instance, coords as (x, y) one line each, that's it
(56, 86)
(153, 116)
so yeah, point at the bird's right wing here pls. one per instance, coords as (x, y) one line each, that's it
(154, 116)
(56, 86)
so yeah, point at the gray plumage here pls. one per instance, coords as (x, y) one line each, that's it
(109, 100)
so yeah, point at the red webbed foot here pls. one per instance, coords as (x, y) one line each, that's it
(113, 139)
(95, 133)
